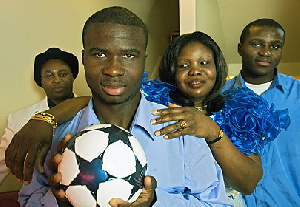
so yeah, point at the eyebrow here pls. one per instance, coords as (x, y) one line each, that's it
(262, 40)
(132, 50)
(58, 70)
(93, 49)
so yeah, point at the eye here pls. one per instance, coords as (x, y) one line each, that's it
(275, 47)
(48, 76)
(100, 54)
(129, 56)
(203, 63)
(62, 75)
(256, 44)
(183, 65)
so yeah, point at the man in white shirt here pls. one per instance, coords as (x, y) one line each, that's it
(55, 71)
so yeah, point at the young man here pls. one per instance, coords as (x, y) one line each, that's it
(54, 71)
(114, 42)
(260, 47)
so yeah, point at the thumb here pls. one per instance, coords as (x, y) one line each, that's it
(173, 105)
(150, 183)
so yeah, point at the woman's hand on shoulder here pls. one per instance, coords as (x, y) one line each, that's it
(185, 121)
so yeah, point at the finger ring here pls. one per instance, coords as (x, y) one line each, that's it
(183, 124)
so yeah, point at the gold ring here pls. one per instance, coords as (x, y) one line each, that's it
(183, 124)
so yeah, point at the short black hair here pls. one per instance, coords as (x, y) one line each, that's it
(116, 15)
(54, 53)
(260, 22)
(168, 65)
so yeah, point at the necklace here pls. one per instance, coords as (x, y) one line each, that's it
(201, 108)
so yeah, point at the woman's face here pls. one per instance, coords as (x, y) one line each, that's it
(196, 71)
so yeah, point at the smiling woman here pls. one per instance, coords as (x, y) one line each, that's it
(195, 67)
(196, 72)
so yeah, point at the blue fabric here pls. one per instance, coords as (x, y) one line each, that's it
(280, 185)
(185, 170)
(157, 91)
(247, 119)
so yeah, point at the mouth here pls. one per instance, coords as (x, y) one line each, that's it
(263, 62)
(58, 89)
(113, 88)
(195, 83)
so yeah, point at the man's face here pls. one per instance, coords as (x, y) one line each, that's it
(57, 80)
(261, 53)
(114, 61)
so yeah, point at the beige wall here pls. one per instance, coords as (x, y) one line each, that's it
(225, 19)
(29, 27)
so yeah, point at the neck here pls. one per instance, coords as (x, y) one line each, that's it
(119, 114)
(257, 79)
(54, 102)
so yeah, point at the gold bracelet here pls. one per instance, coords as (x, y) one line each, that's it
(47, 117)
(221, 134)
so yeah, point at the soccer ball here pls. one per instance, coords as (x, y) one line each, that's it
(102, 162)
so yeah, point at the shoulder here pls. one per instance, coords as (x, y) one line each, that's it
(157, 91)
(19, 118)
(229, 83)
(40, 106)
(289, 84)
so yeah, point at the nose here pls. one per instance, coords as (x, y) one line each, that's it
(56, 78)
(265, 51)
(195, 71)
(114, 68)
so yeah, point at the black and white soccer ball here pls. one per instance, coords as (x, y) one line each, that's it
(102, 162)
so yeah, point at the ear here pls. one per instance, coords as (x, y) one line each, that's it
(239, 49)
(82, 57)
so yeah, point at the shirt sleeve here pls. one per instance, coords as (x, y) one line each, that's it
(204, 199)
(4, 142)
(38, 192)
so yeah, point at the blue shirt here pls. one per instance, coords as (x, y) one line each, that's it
(280, 185)
(185, 170)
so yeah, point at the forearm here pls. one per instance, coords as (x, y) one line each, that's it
(240, 171)
(67, 109)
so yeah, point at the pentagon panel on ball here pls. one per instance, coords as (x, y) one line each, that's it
(102, 162)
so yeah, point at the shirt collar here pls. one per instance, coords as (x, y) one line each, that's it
(52, 104)
(278, 81)
(143, 117)
(88, 116)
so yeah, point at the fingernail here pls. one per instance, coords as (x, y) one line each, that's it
(26, 182)
(166, 137)
(153, 121)
(157, 133)
(19, 180)
(154, 112)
